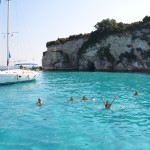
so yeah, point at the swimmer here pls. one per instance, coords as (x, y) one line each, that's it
(108, 104)
(71, 99)
(39, 103)
(84, 98)
(136, 93)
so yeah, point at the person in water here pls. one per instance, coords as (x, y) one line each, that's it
(136, 93)
(39, 103)
(107, 104)
(84, 98)
(71, 99)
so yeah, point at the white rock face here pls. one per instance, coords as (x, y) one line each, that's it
(127, 51)
(54, 56)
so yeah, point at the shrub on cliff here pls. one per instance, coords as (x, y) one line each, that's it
(129, 56)
(110, 26)
(104, 53)
(106, 25)
(146, 19)
(64, 40)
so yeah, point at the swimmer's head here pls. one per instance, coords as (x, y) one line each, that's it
(39, 99)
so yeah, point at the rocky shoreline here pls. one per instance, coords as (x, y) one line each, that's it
(77, 70)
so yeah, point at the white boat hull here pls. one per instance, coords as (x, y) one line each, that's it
(17, 75)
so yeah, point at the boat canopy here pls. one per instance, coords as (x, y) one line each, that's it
(27, 65)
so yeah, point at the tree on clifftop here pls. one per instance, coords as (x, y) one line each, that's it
(146, 19)
(106, 25)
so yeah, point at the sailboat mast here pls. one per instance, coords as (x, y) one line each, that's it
(8, 13)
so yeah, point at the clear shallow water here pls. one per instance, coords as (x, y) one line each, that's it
(81, 125)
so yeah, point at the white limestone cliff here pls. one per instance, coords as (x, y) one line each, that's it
(126, 51)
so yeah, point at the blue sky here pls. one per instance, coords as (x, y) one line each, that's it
(40, 21)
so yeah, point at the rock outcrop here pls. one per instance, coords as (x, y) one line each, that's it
(128, 50)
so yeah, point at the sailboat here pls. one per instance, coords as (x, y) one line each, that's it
(15, 75)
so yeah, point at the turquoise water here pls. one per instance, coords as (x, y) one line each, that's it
(78, 125)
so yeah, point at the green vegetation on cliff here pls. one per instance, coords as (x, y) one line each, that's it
(64, 40)
(104, 54)
(129, 56)
(110, 26)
